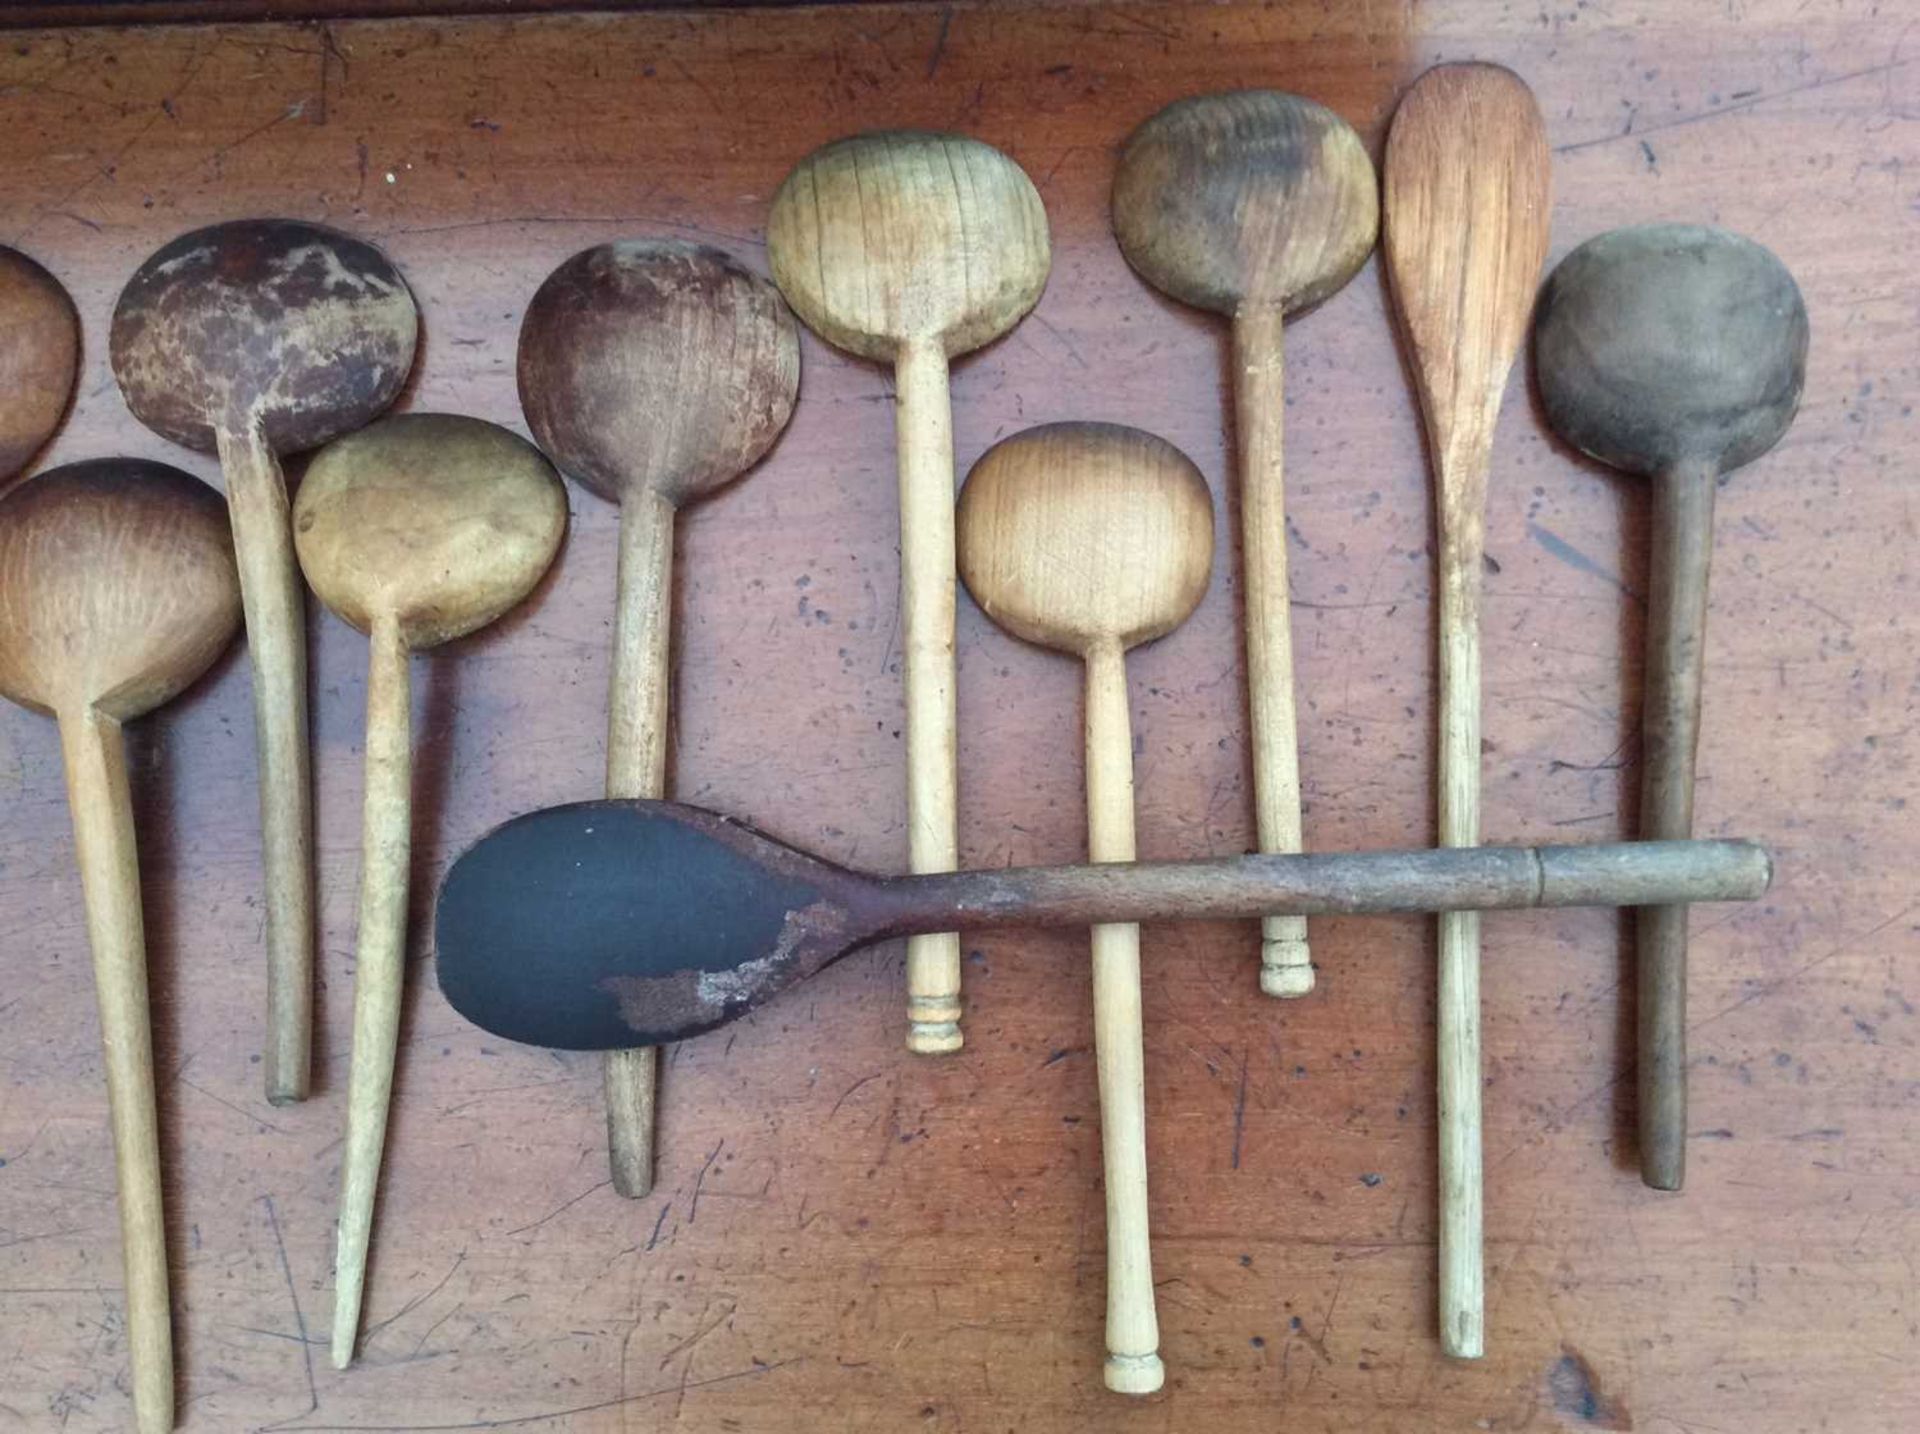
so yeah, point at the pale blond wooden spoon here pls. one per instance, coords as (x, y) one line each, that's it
(117, 591)
(417, 530)
(1090, 538)
(653, 372)
(913, 248)
(1467, 207)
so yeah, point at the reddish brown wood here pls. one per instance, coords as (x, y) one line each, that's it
(846, 1238)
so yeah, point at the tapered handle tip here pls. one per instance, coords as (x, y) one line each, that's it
(1286, 967)
(1135, 1373)
(1464, 1338)
(1664, 1169)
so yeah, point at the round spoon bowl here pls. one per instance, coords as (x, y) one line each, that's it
(39, 358)
(305, 331)
(1247, 198)
(436, 521)
(117, 586)
(1669, 343)
(881, 239)
(658, 366)
(1077, 534)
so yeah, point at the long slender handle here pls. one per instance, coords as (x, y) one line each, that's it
(925, 424)
(1462, 1306)
(385, 849)
(110, 877)
(1485, 878)
(1259, 406)
(270, 591)
(1670, 734)
(1133, 1331)
(637, 767)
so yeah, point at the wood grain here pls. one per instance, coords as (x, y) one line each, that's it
(1467, 200)
(841, 1235)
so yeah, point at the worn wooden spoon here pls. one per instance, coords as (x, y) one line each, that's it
(254, 339)
(911, 249)
(1255, 205)
(39, 358)
(117, 591)
(1090, 538)
(1677, 353)
(417, 530)
(653, 373)
(1467, 208)
(592, 926)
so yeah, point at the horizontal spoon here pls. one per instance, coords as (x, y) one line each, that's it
(39, 358)
(602, 925)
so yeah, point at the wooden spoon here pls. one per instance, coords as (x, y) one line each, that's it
(913, 248)
(253, 339)
(117, 591)
(1677, 353)
(653, 373)
(1255, 205)
(39, 358)
(417, 530)
(1090, 538)
(1467, 208)
(593, 926)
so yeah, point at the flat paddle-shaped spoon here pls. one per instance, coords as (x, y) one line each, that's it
(602, 925)
(653, 373)
(1089, 538)
(1467, 183)
(1255, 205)
(39, 358)
(254, 339)
(912, 249)
(1676, 353)
(418, 530)
(117, 591)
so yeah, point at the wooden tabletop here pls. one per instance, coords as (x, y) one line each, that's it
(846, 1237)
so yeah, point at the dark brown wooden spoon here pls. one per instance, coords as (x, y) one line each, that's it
(39, 358)
(1676, 353)
(653, 373)
(254, 339)
(603, 925)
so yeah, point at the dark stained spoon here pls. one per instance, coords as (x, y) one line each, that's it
(1676, 353)
(39, 358)
(254, 339)
(604, 925)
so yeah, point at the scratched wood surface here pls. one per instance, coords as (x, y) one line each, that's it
(849, 1238)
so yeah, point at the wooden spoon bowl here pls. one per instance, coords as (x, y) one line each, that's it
(303, 330)
(1671, 343)
(433, 522)
(39, 358)
(883, 239)
(1248, 198)
(653, 372)
(1077, 536)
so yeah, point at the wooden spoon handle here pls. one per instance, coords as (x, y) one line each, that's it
(1462, 1302)
(1259, 402)
(271, 594)
(637, 767)
(925, 424)
(1682, 541)
(110, 877)
(1133, 1331)
(385, 849)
